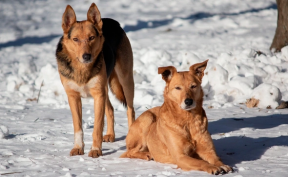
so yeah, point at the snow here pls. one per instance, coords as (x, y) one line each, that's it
(267, 94)
(3, 131)
(37, 136)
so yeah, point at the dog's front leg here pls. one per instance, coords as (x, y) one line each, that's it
(75, 104)
(178, 148)
(99, 108)
(206, 150)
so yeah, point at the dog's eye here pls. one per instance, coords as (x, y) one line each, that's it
(91, 38)
(177, 88)
(193, 86)
(75, 39)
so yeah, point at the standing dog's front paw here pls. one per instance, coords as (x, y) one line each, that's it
(77, 151)
(109, 138)
(95, 153)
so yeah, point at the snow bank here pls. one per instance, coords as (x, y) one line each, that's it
(268, 95)
(176, 37)
(237, 77)
(51, 87)
(228, 78)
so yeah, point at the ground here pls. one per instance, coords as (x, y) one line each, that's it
(36, 137)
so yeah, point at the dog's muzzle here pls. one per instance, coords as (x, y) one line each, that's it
(86, 58)
(188, 104)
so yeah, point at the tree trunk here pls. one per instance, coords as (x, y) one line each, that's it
(281, 35)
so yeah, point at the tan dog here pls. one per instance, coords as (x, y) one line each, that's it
(177, 131)
(91, 54)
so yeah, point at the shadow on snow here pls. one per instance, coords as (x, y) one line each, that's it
(192, 18)
(29, 40)
(235, 149)
(140, 25)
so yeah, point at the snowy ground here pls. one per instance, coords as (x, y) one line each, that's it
(228, 33)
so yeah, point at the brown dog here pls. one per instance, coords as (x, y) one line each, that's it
(177, 131)
(91, 54)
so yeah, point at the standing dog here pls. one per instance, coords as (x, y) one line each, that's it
(91, 54)
(177, 131)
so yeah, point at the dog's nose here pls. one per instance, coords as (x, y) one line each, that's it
(188, 101)
(86, 57)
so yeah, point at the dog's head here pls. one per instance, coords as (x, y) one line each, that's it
(184, 88)
(83, 39)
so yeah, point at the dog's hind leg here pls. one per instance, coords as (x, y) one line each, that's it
(128, 88)
(136, 140)
(124, 71)
(136, 145)
(109, 112)
(135, 153)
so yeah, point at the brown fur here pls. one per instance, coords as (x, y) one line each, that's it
(87, 76)
(116, 88)
(252, 102)
(176, 132)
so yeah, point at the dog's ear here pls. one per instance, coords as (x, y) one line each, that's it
(198, 69)
(167, 72)
(68, 19)
(94, 16)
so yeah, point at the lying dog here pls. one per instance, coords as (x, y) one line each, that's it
(176, 132)
(91, 54)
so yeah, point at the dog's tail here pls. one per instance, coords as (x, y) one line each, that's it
(124, 155)
(116, 88)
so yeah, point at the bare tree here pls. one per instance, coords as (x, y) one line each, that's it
(281, 35)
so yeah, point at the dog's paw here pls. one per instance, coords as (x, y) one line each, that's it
(109, 138)
(226, 169)
(148, 156)
(77, 151)
(95, 153)
(213, 170)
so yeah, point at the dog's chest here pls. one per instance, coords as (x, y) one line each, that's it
(83, 89)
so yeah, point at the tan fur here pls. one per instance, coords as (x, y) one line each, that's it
(82, 79)
(252, 102)
(175, 132)
(124, 72)
(116, 87)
